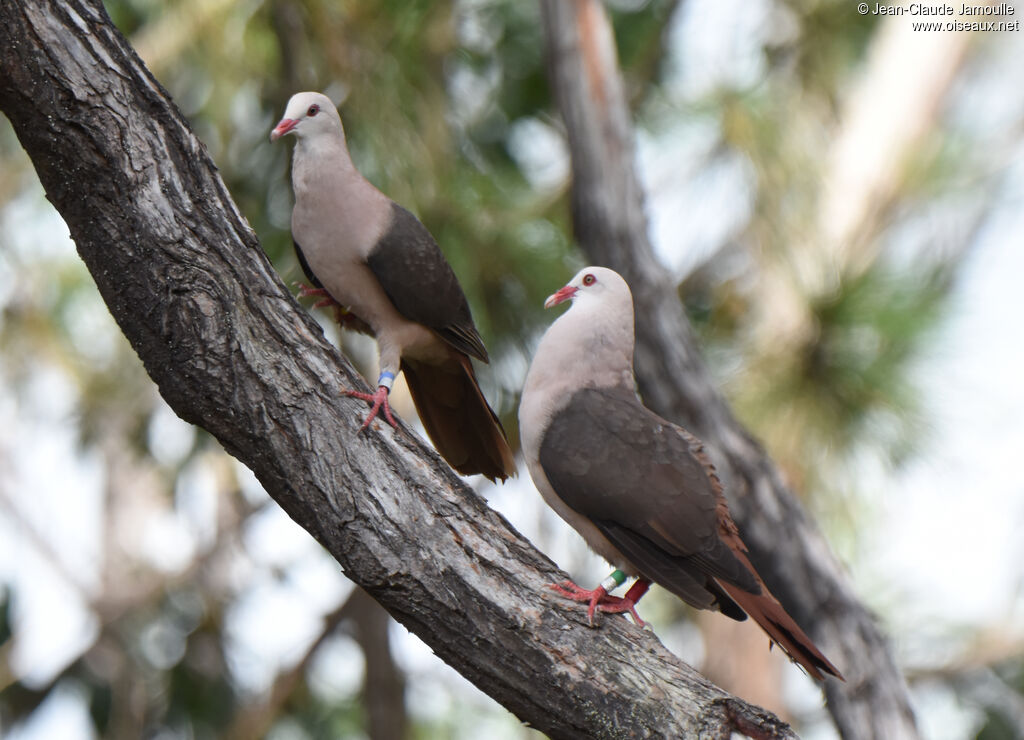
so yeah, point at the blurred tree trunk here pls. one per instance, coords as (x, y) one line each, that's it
(611, 227)
(735, 658)
(383, 693)
(383, 682)
(231, 351)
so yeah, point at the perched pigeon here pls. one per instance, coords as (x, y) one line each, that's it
(382, 267)
(640, 490)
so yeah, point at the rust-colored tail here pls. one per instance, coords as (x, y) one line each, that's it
(457, 418)
(784, 632)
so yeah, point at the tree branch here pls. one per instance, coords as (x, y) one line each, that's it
(611, 228)
(186, 280)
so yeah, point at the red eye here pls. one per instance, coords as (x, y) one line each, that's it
(313, 110)
(589, 279)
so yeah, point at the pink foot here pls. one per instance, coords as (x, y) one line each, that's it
(600, 600)
(379, 401)
(307, 291)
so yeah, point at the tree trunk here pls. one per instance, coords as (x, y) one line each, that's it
(383, 695)
(611, 227)
(186, 280)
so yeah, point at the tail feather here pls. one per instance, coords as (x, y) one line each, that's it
(457, 418)
(786, 633)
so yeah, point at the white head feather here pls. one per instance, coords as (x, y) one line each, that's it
(590, 345)
(309, 115)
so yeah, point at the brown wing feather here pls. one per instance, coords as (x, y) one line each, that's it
(629, 471)
(782, 629)
(457, 418)
(417, 278)
(650, 488)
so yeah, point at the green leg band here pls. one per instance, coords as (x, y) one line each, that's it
(613, 581)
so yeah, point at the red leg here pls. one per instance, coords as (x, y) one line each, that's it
(637, 590)
(306, 291)
(600, 600)
(379, 401)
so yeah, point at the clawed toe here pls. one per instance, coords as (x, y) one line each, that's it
(597, 599)
(380, 403)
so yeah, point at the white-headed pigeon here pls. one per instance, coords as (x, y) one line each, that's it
(389, 278)
(640, 490)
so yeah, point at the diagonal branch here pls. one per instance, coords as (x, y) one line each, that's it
(611, 227)
(186, 280)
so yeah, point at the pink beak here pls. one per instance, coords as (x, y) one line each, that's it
(284, 127)
(560, 296)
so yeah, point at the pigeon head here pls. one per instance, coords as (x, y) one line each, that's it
(307, 115)
(593, 286)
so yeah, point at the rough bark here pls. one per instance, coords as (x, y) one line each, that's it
(611, 228)
(186, 280)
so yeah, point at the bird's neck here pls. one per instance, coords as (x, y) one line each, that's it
(325, 180)
(321, 155)
(578, 351)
